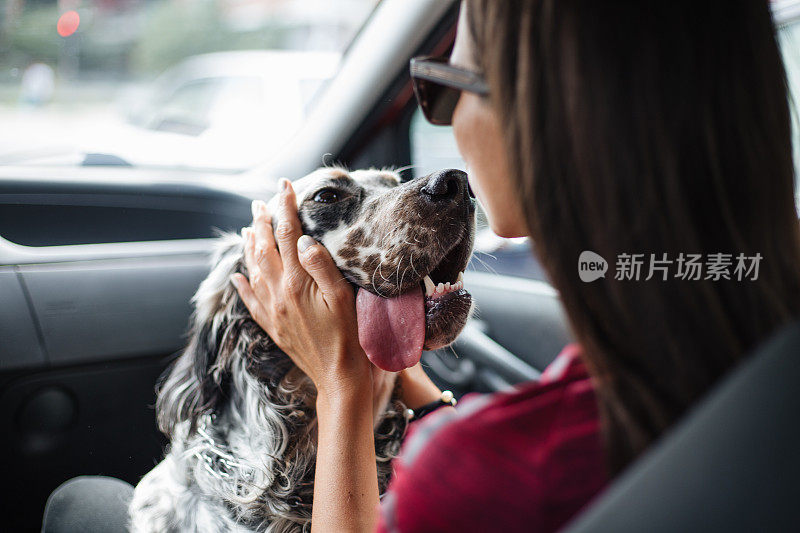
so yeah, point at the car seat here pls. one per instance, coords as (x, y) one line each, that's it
(732, 464)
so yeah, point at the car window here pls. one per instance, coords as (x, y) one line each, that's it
(186, 109)
(166, 83)
(434, 148)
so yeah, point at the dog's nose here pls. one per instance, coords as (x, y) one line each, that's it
(445, 185)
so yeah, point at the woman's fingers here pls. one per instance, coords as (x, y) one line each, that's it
(317, 261)
(260, 282)
(265, 251)
(248, 296)
(288, 230)
(248, 243)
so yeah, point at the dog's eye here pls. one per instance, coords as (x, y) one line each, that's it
(327, 196)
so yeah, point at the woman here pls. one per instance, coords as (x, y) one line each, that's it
(617, 127)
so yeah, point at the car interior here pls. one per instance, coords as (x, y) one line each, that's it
(99, 261)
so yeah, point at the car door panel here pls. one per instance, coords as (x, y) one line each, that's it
(62, 422)
(524, 316)
(518, 328)
(96, 280)
(103, 310)
(20, 342)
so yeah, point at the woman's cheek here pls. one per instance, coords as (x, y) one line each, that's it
(461, 129)
(479, 139)
(502, 220)
(505, 221)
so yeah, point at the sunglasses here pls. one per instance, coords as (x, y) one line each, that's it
(438, 86)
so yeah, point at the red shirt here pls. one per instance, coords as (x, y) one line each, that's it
(526, 460)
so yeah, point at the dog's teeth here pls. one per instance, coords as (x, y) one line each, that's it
(430, 287)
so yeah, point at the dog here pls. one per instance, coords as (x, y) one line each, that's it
(240, 415)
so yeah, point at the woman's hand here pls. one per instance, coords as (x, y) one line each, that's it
(299, 297)
(301, 300)
(416, 388)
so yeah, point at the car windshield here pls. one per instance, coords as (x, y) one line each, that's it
(202, 84)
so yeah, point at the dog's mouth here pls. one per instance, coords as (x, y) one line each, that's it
(394, 331)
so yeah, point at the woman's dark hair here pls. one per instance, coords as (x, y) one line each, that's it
(649, 128)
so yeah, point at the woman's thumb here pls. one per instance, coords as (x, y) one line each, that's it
(319, 264)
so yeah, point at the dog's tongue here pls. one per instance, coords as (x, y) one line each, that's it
(391, 330)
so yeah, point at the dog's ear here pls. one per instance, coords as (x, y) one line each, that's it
(224, 341)
(196, 382)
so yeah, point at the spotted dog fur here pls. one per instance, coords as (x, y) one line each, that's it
(239, 415)
(385, 237)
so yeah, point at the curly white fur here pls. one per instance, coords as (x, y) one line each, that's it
(243, 442)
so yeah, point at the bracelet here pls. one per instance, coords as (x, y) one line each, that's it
(446, 398)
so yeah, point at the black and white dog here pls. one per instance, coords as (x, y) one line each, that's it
(240, 415)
